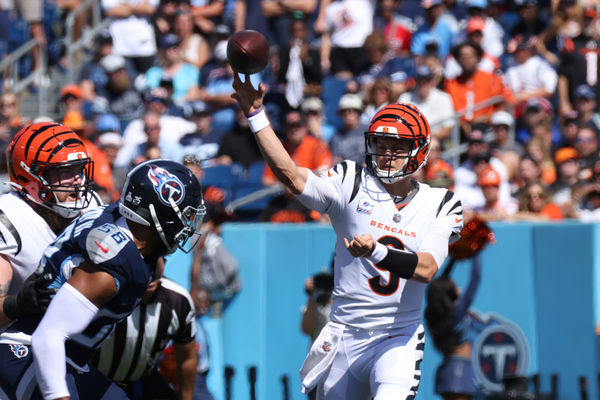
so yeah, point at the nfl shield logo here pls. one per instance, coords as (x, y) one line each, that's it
(326, 347)
(396, 218)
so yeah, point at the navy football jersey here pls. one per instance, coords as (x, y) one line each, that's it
(99, 237)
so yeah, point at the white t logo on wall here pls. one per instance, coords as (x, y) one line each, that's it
(500, 350)
(500, 354)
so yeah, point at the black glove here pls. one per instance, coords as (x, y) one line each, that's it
(33, 298)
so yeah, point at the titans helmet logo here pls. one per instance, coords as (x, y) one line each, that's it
(167, 186)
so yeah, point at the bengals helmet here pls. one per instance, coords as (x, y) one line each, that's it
(399, 121)
(42, 155)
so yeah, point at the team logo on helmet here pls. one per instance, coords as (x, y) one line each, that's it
(19, 350)
(167, 186)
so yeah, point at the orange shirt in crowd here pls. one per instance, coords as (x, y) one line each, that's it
(479, 87)
(102, 171)
(311, 153)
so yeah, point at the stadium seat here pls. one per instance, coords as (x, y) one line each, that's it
(223, 176)
(255, 171)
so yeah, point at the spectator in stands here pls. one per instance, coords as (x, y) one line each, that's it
(238, 145)
(305, 150)
(532, 76)
(530, 22)
(129, 357)
(162, 97)
(312, 112)
(10, 111)
(299, 63)
(494, 208)
(164, 17)
(102, 173)
(565, 24)
(568, 129)
(214, 268)
(173, 127)
(586, 106)
(466, 174)
(586, 144)
(527, 172)
(280, 15)
(347, 25)
(32, 12)
(535, 112)
(474, 87)
(169, 149)
(438, 172)
(92, 74)
(71, 100)
(574, 59)
(208, 14)
(440, 24)
(379, 95)
(540, 149)
(535, 204)
(171, 64)
(503, 145)
(215, 89)
(205, 141)
(435, 104)
(132, 31)
(474, 32)
(119, 94)
(567, 175)
(397, 29)
(195, 48)
(586, 203)
(492, 40)
(110, 143)
(380, 62)
(348, 142)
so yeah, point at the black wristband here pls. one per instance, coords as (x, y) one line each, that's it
(400, 262)
(11, 307)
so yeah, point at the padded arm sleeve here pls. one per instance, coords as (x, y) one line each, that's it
(70, 312)
(436, 243)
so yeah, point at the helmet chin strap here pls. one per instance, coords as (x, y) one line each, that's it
(65, 209)
(159, 229)
(388, 176)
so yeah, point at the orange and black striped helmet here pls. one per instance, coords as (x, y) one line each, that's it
(47, 158)
(401, 121)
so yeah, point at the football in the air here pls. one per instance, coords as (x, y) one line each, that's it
(248, 52)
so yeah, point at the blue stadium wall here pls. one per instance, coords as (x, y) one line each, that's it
(543, 278)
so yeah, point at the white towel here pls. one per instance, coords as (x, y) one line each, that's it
(294, 89)
(321, 355)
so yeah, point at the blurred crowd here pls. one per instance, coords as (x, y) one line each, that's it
(510, 89)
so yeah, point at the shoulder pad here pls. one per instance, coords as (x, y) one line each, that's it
(105, 242)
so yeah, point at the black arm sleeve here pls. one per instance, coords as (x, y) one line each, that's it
(400, 262)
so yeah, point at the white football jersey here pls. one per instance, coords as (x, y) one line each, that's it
(24, 235)
(365, 296)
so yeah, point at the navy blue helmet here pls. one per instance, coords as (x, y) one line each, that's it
(165, 195)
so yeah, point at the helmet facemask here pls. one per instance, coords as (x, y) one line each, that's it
(65, 188)
(191, 221)
(406, 135)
